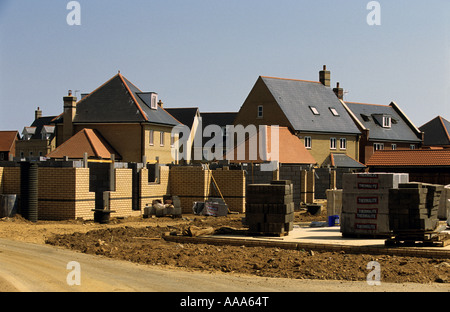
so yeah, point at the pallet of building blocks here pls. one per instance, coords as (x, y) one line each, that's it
(270, 208)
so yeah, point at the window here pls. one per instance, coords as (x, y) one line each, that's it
(412, 146)
(334, 111)
(154, 101)
(260, 111)
(172, 140)
(308, 142)
(161, 138)
(378, 147)
(314, 110)
(394, 147)
(387, 122)
(151, 137)
(343, 144)
(333, 143)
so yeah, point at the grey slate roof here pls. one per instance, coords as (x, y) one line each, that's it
(437, 132)
(344, 161)
(221, 119)
(370, 116)
(120, 101)
(184, 115)
(295, 97)
(39, 124)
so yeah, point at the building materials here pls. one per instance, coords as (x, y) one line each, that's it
(270, 208)
(365, 203)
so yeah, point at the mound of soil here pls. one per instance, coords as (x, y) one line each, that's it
(144, 244)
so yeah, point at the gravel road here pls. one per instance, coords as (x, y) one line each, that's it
(27, 267)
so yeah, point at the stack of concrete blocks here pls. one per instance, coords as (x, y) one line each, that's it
(270, 208)
(365, 202)
(444, 204)
(414, 207)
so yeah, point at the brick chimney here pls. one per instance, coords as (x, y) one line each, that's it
(339, 92)
(70, 108)
(37, 113)
(325, 76)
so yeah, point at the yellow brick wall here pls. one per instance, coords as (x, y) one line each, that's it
(194, 183)
(121, 199)
(1, 180)
(320, 146)
(231, 184)
(85, 200)
(152, 191)
(190, 184)
(11, 180)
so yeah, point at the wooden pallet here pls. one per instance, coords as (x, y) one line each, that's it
(419, 239)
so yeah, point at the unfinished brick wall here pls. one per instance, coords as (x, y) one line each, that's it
(11, 180)
(152, 191)
(194, 183)
(121, 198)
(231, 184)
(191, 184)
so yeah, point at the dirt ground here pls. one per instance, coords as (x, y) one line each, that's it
(140, 240)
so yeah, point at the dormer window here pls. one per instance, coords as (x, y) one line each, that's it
(387, 121)
(314, 110)
(154, 101)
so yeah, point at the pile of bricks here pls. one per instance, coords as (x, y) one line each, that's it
(365, 202)
(414, 207)
(270, 208)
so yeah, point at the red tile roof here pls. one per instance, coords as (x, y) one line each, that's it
(7, 139)
(291, 149)
(415, 158)
(86, 141)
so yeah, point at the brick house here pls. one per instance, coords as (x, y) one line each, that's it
(436, 132)
(310, 109)
(8, 141)
(383, 127)
(130, 120)
(39, 138)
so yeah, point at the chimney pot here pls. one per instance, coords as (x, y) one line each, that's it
(339, 91)
(70, 93)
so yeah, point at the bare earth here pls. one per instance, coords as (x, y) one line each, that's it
(140, 241)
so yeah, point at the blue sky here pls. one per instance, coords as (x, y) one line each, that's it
(209, 53)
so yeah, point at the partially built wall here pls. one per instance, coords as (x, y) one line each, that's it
(69, 190)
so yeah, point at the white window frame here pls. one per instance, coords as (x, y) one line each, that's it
(387, 122)
(314, 110)
(412, 146)
(154, 101)
(308, 142)
(334, 111)
(394, 147)
(161, 138)
(343, 144)
(378, 147)
(151, 139)
(333, 143)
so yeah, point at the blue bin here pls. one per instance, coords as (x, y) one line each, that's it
(333, 220)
